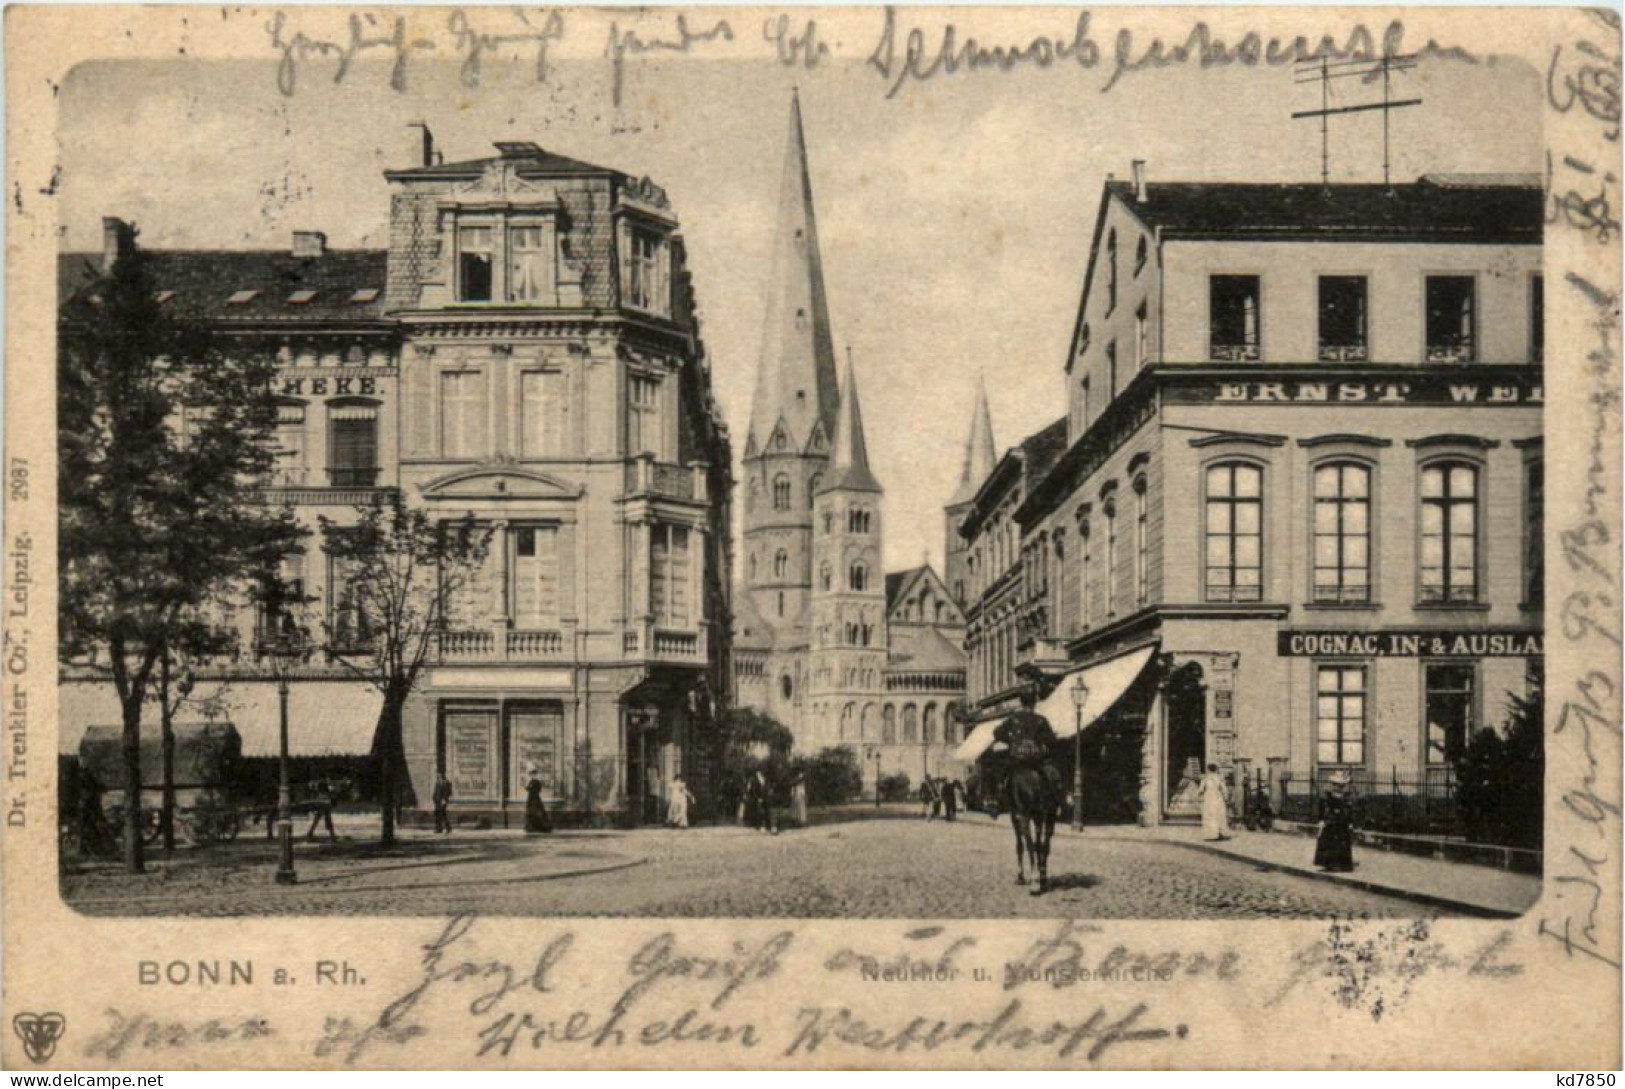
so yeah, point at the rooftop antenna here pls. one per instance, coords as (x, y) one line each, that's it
(1323, 71)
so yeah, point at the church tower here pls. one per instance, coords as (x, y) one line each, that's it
(976, 468)
(849, 632)
(787, 448)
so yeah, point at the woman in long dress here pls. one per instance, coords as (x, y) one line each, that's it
(1215, 805)
(536, 821)
(677, 806)
(798, 802)
(1334, 847)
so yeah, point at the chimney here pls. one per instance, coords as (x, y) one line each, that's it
(1139, 181)
(118, 239)
(309, 243)
(427, 154)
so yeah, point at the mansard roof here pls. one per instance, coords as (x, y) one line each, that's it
(248, 286)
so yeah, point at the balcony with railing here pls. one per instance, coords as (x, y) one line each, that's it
(498, 645)
(330, 487)
(664, 480)
(648, 641)
(1344, 353)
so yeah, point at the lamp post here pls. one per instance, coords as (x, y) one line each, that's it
(286, 651)
(874, 751)
(1080, 696)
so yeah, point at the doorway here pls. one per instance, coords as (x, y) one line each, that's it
(1184, 741)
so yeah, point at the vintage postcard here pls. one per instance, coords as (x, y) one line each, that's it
(812, 537)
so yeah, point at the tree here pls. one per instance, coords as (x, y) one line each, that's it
(745, 741)
(163, 437)
(1501, 775)
(832, 775)
(398, 573)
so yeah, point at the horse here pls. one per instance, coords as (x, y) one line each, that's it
(1032, 800)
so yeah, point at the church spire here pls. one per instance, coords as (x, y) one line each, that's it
(979, 450)
(849, 467)
(795, 378)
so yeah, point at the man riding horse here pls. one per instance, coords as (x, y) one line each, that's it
(1032, 790)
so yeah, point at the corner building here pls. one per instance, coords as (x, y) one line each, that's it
(1297, 526)
(526, 351)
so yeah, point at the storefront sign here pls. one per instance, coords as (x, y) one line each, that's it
(1410, 644)
(470, 752)
(1419, 389)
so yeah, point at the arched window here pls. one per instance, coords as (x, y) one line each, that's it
(1342, 532)
(1142, 541)
(910, 723)
(857, 577)
(787, 687)
(866, 726)
(781, 492)
(888, 726)
(825, 577)
(1449, 551)
(813, 485)
(750, 561)
(1234, 532)
(829, 520)
(781, 564)
(928, 725)
(847, 713)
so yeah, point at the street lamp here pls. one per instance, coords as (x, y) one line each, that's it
(1080, 696)
(874, 751)
(287, 650)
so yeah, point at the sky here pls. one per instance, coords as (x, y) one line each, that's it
(954, 217)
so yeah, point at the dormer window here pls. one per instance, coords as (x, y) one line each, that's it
(365, 295)
(241, 298)
(299, 298)
(475, 252)
(165, 296)
(644, 277)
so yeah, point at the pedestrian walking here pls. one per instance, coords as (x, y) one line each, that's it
(929, 801)
(798, 801)
(1334, 846)
(442, 803)
(950, 798)
(679, 799)
(320, 801)
(536, 821)
(1215, 805)
(759, 802)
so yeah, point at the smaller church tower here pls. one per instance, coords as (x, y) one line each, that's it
(976, 468)
(848, 636)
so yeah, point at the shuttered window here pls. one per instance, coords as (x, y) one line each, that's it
(669, 574)
(352, 445)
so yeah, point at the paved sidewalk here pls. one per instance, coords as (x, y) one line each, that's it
(1452, 886)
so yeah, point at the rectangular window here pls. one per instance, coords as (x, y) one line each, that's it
(1111, 370)
(349, 617)
(1233, 318)
(530, 265)
(1451, 320)
(1111, 561)
(472, 602)
(544, 412)
(536, 740)
(646, 287)
(1083, 577)
(536, 576)
(1235, 533)
(1083, 404)
(352, 451)
(643, 424)
(1342, 532)
(669, 569)
(1343, 319)
(281, 598)
(1340, 707)
(1449, 533)
(1537, 319)
(475, 256)
(1142, 544)
(1449, 709)
(462, 409)
(290, 445)
(1142, 345)
(1534, 534)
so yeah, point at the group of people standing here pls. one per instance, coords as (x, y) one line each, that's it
(941, 797)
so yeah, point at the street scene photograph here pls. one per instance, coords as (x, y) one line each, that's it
(674, 489)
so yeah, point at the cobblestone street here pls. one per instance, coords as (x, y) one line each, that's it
(863, 868)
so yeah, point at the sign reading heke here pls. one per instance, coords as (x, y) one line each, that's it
(1411, 644)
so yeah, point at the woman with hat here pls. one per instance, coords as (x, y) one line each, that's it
(1334, 847)
(536, 821)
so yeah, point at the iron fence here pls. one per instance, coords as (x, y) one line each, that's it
(1425, 807)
